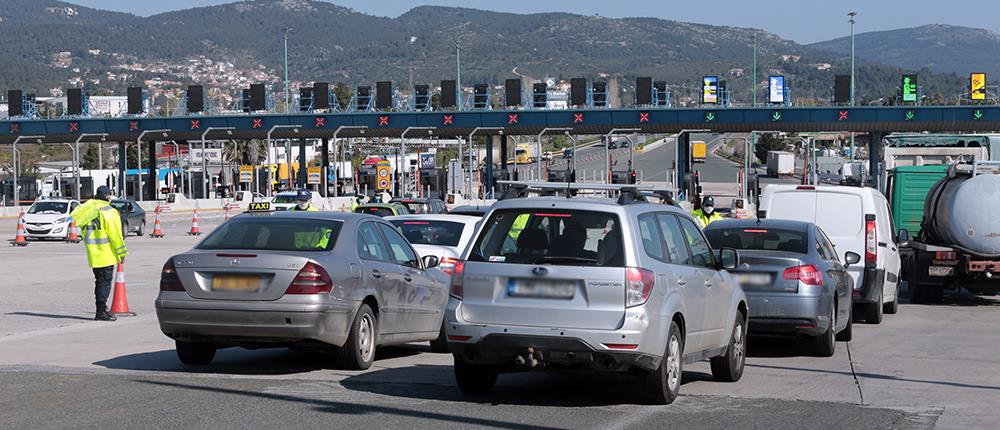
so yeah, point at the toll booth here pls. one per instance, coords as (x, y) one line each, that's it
(27, 191)
(67, 187)
(622, 177)
(434, 182)
(561, 175)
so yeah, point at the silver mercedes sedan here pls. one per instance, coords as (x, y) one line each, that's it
(300, 279)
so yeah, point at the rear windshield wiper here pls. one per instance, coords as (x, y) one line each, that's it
(556, 259)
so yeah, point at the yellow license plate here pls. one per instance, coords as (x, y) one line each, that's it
(236, 282)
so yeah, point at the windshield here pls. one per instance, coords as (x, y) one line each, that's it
(267, 233)
(120, 206)
(572, 238)
(764, 239)
(441, 233)
(378, 211)
(285, 199)
(48, 208)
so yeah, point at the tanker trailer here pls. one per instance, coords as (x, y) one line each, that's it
(959, 242)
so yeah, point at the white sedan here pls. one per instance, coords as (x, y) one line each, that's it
(443, 236)
(49, 218)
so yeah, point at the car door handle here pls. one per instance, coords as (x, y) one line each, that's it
(376, 274)
(708, 283)
(407, 277)
(682, 282)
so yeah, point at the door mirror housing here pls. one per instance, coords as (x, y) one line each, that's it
(851, 258)
(430, 261)
(729, 259)
(903, 236)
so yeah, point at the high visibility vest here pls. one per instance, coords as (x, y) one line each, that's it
(311, 208)
(102, 233)
(518, 226)
(312, 241)
(706, 219)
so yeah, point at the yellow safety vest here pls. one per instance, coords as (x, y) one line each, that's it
(312, 240)
(518, 226)
(704, 218)
(311, 208)
(102, 233)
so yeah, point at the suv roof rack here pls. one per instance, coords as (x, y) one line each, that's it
(627, 193)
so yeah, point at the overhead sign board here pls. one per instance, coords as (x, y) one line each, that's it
(909, 86)
(710, 90)
(776, 92)
(977, 86)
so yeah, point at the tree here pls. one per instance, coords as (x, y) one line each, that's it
(343, 94)
(245, 152)
(765, 143)
(89, 159)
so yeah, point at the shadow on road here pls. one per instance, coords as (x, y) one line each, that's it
(778, 347)
(51, 316)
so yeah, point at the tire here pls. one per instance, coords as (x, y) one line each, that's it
(873, 311)
(729, 367)
(440, 345)
(662, 385)
(358, 352)
(142, 229)
(195, 354)
(847, 334)
(474, 379)
(892, 307)
(125, 229)
(825, 344)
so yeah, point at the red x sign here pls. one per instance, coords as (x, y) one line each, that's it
(257, 123)
(74, 126)
(320, 122)
(383, 120)
(843, 115)
(512, 118)
(577, 118)
(644, 117)
(449, 119)
(133, 125)
(195, 124)
(15, 128)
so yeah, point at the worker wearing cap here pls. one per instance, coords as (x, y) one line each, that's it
(706, 214)
(105, 245)
(304, 197)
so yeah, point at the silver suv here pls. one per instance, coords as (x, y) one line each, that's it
(551, 283)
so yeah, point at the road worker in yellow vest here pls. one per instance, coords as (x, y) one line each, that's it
(706, 214)
(105, 245)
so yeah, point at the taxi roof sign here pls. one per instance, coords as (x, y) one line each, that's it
(254, 207)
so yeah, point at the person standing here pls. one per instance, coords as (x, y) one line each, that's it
(304, 202)
(105, 245)
(706, 214)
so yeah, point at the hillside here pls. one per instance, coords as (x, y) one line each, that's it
(51, 44)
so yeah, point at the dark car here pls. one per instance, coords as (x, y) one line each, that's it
(133, 216)
(612, 144)
(470, 210)
(793, 279)
(567, 153)
(422, 205)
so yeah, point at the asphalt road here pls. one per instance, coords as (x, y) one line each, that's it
(926, 367)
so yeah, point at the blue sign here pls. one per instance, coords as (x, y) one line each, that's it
(776, 94)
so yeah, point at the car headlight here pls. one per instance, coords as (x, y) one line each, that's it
(61, 220)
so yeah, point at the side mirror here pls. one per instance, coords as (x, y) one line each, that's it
(851, 258)
(430, 261)
(761, 214)
(903, 236)
(729, 259)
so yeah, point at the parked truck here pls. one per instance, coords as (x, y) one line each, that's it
(699, 151)
(780, 163)
(958, 244)
(522, 153)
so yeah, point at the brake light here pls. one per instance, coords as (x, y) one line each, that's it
(805, 188)
(638, 285)
(628, 346)
(871, 241)
(754, 230)
(457, 273)
(447, 264)
(312, 279)
(548, 215)
(807, 274)
(169, 281)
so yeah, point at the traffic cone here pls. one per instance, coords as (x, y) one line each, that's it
(73, 235)
(194, 225)
(157, 232)
(119, 306)
(19, 240)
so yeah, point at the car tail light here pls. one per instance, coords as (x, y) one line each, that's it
(629, 346)
(805, 188)
(169, 281)
(806, 274)
(638, 285)
(312, 279)
(457, 273)
(447, 264)
(871, 241)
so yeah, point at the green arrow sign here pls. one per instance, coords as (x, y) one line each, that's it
(977, 114)
(910, 115)
(709, 116)
(776, 116)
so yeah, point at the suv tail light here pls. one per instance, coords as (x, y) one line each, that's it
(638, 285)
(169, 281)
(871, 241)
(457, 273)
(447, 264)
(807, 274)
(312, 279)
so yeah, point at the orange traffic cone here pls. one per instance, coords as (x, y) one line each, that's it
(194, 225)
(157, 232)
(119, 306)
(73, 235)
(19, 240)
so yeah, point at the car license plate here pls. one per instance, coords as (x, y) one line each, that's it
(246, 283)
(540, 289)
(940, 270)
(754, 278)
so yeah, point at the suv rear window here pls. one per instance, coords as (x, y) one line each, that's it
(766, 239)
(546, 236)
(441, 233)
(273, 234)
(376, 210)
(417, 207)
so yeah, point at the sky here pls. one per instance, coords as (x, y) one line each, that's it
(803, 21)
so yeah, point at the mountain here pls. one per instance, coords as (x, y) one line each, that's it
(938, 48)
(51, 45)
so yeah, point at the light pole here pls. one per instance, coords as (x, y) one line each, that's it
(138, 155)
(607, 150)
(852, 21)
(473, 133)
(204, 162)
(76, 159)
(402, 156)
(269, 175)
(284, 37)
(15, 163)
(336, 175)
(754, 103)
(539, 162)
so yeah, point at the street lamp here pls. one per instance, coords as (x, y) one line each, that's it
(473, 133)
(336, 174)
(15, 163)
(138, 155)
(204, 162)
(76, 159)
(284, 37)
(402, 153)
(852, 21)
(269, 132)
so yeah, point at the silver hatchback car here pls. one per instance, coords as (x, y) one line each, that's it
(278, 279)
(551, 283)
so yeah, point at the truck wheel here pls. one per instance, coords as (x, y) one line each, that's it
(729, 367)
(824, 345)
(893, 306)
(873, 311)
(662, 385)
(474, 378)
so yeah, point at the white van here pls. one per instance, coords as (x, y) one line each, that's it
(857, 219)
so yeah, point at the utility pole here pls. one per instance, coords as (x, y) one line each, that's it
(852, 21)
(754, 103)
(284, 36)
(458, 77)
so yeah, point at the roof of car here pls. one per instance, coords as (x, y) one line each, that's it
(327, 215)
(584, 203)
(433, 217)
(783, 224)
(412, 200)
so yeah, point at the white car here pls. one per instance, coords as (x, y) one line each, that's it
(856, 219)
(285, 200)
(443, 236)
(49, 218)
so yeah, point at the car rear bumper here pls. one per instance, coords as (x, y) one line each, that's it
(788, 313)
(871, 286)
(253, 323)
